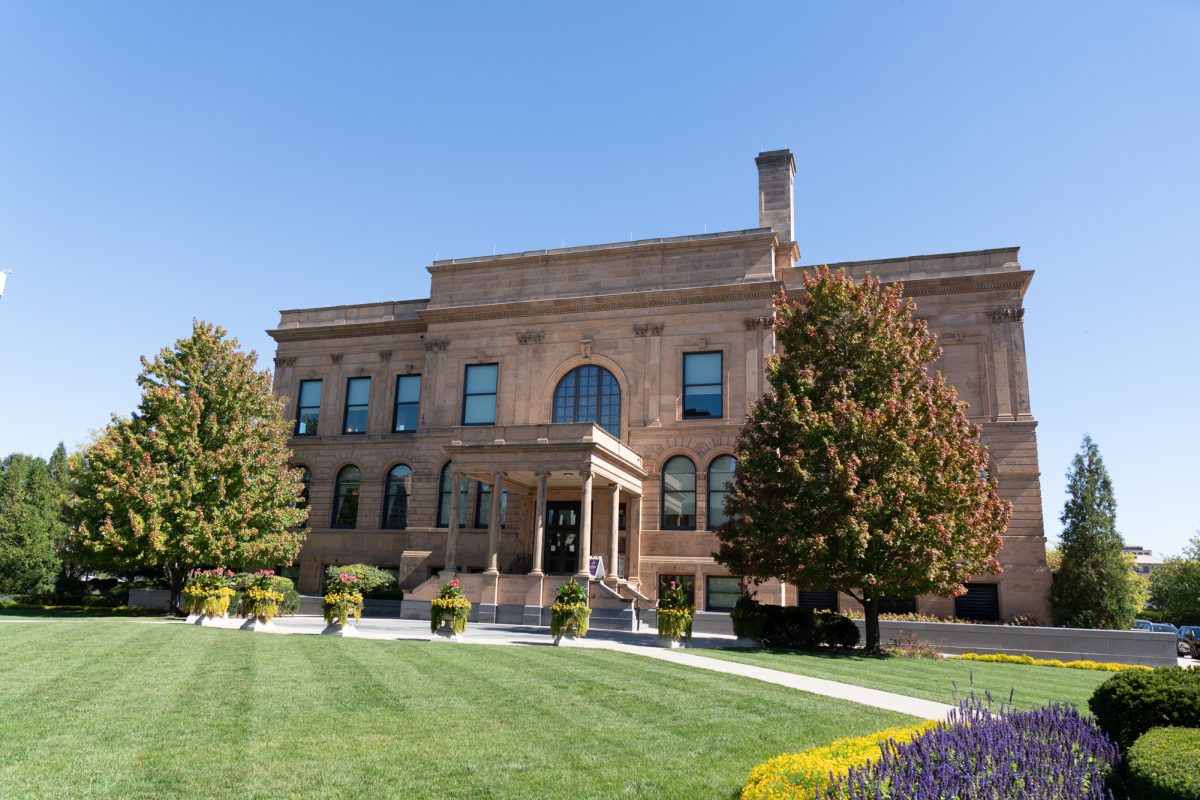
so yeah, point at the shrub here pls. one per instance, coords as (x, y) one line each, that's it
(369, 577)
(1006, 658)
(836, 630)
(291, 597)
(909, 645)
(802, 775)
(788, 627)
(1130, 703)
(1053, 753)
(1162, 765)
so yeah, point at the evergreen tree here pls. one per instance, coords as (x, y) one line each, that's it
(198, 476)
(32, 528)
(859, 469)
(1094, 587)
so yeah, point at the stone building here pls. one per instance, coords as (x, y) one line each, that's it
(598, 391)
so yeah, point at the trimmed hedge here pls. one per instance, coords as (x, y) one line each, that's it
(794, 628)
(1130, 703)
(1164, 764)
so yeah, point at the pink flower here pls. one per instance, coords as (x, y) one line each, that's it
(454, 582)
(672, 584)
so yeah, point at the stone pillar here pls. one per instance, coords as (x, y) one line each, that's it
(539, 523)
(585, 524)
(456, 479)
(494, 511)
(633, 546)
(614, 533)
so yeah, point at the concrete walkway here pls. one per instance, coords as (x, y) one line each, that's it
(642, 643)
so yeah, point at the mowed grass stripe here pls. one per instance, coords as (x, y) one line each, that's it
(1031, 686)
(226, 714)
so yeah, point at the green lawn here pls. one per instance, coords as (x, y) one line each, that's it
(104, 708)
(935, 680)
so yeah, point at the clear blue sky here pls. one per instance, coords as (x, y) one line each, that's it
(160, 161)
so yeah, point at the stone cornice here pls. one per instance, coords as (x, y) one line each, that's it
(965, 284)
(660, 298)
(347, 330)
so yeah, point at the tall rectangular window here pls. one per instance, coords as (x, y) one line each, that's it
(408, 399)
(721, 593)
(358, 395)
(483, 506)
(703, 387)
(308, 408)
(479, 394)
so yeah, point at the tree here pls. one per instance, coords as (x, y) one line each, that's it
(32, 528)
(858, 469)
(1094, 587)
(198, 475)
(1175, 586)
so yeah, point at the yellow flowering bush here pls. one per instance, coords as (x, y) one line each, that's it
(208, 592)
(569, 610)
(260, 598)
(675, 614)
(1004, 658)
(341, 605)
(450, 604)
(801, 776)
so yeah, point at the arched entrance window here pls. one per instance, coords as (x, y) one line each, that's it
(395, 498)
(679, 495)
(720, 481)
(589, 394)
(345, 498)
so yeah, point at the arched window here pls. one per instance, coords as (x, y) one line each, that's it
(444, 500)
(589, 394)
(720, 481)
(345, 498)
(679, 495)
(395, 498)
(305, 487)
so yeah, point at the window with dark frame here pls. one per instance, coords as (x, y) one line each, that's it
(703, 385)
(396, 492)
(345, 498)
(686, 582)
(589, 394)
(720, 481)
(479, 394)
(308, 408)
(483, 506)
(408, 403)
(358, 398)
(444, 500)
(679, 494)
(721, 592)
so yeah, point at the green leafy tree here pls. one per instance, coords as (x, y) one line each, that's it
(198, 475)
(1175, 586)
(859, 469)
(32, 527)
(1094, 586)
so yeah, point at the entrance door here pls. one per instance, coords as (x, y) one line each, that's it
(561, 554)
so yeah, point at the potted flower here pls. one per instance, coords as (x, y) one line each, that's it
(675, 616)
(260, 599)
(569, 613)
(343, 602)
(747, 617)
(206, 595)
(448, 612)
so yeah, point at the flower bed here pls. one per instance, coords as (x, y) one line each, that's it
(569, 610)
(802, 775)
(1004, 658)
(208, 592)
(1053, 753)
(450, 604)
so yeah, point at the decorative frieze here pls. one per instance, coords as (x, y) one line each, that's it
(1008, 314)
(759, 323)
(436, 344)
(530, 337)
(648, 329)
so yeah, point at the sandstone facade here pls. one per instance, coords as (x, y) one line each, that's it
(636, 310)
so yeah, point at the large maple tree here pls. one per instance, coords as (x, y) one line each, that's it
(859, 469)
(198, 475)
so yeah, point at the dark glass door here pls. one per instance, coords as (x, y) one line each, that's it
(561, 554)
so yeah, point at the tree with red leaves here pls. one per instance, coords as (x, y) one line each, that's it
(859, 469)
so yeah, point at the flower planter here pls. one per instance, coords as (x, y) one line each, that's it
(445, 632)
(258, 624)
(448, 613)
(674, 618)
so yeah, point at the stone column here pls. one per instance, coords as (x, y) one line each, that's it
(452, 531)
(494, 511)
(614, 533)
(633, 546)
(585, 524)
(539, 523)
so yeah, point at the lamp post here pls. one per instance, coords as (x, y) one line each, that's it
(4, 273)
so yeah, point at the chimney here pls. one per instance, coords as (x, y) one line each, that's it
(776, 174)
